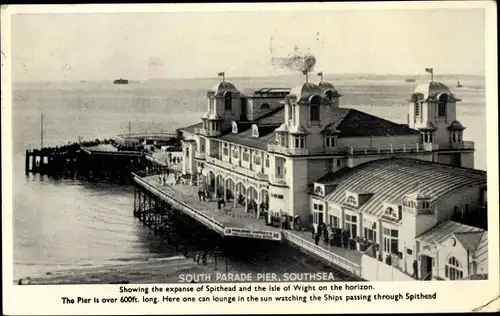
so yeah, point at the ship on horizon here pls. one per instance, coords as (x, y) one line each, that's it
(121, 81)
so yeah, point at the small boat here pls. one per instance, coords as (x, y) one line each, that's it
(459, 85)
(410, 80)
(120, 81)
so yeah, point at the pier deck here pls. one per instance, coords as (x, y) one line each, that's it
(230, 216)
(185, 198)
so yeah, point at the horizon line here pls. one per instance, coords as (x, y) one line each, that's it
(250, 77)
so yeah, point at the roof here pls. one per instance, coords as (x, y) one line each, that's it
(267, 123)
(272, 90)
(222, 87)
(191, 128)
(472, 238)
(304, 92)
(354, 123)
(456, 126)
(393, 178)
(431, 89)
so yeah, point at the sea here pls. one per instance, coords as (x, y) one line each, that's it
(69, 224)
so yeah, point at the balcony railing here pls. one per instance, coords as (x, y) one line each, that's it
(391, 149)
(229, 166)
(463, 145)
(287, 151)
(206, 132)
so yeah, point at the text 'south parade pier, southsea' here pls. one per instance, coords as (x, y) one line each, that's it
(376, 200)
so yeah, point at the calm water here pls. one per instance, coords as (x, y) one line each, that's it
(68, 224)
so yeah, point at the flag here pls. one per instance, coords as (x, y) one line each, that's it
(220, 74)
(320, 74)
(429, 70)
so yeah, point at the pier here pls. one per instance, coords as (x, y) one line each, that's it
(157, 197)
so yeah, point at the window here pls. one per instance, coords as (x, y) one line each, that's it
(246, 155)
(318, 190)
(329, 94)
(351, 201)
(228, 99)
(235, 153)
(330, 141)
(202, 147)
(453, 269)
(391, 240)
(370, 233)
(426, 205)
(334, 221)
(187, 152)
(302, 141)
(442, 102)
(256, 159)
(339, 162)
(278, 171)
(290, 112)
(267, 161)
(351, 225)
(225, 150)
(318, 207)
(390, 212)
(265, 106)
(417, 108)
(277, 196)
(411, 204)
(314, 108)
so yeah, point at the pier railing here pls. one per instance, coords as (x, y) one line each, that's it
(202, 218)
(329, 256)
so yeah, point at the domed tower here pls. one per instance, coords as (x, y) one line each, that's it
(432, 111)
(330, 91)
(222, 106)
(308, 111)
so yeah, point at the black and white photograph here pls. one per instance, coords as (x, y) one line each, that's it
(233, 146)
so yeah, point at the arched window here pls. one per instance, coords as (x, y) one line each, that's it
(314, 108)
(318, 190)
(265, 106)
(442, 102)
(390, 212)
(351, 200)
(228, 99)
(329, 94)
(453, 269)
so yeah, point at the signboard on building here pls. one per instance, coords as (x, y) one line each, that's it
(252, 233)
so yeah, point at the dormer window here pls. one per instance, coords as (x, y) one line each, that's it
(390, 212)
(330, 141)
(300, 141)
(351, 201)
(228, 99)
(442, 103)
(314, 107)
(319, 190)
(329, 94)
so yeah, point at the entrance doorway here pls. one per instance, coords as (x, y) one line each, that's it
(426, 267)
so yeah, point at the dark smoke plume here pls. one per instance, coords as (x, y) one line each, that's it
(297, 61)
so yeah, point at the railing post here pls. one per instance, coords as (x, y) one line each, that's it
(391, 149)
(404, 147)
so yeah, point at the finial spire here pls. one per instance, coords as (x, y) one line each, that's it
(431, 71)
(222, 74)
(321, 75)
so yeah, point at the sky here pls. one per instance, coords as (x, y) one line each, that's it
(141, 46)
